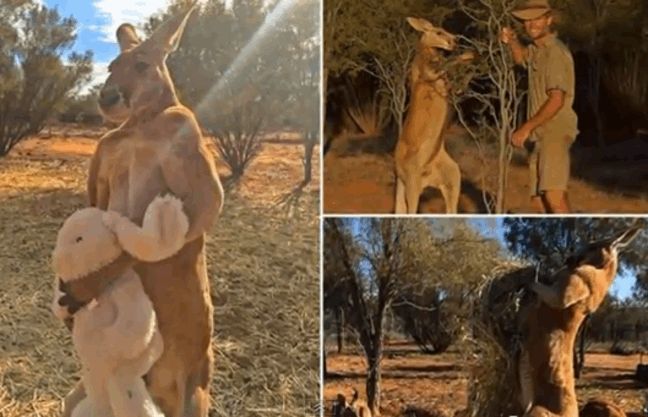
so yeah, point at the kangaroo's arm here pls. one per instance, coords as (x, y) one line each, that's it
(98, 192)
(190, 174)
(79, 292)
(562, 296)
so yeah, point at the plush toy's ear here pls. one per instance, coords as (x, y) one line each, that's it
(162, 233)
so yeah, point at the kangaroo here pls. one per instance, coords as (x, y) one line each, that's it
(157, 149)
(421, 158)
(546, 371)
(356, 408)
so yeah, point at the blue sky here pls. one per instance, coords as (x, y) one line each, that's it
(492, 227)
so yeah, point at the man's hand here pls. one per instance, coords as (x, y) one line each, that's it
(520, 136)
(507, 35)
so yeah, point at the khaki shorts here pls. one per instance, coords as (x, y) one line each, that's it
(549, 164)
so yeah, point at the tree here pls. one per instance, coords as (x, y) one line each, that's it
(496, 93)
(433, 309)
(379, 261)
(35, 79)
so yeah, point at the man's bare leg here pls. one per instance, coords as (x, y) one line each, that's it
(557, 201)
(537, 204)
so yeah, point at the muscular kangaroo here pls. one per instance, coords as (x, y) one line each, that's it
(421, 158)
(546, 369)
(158, 149)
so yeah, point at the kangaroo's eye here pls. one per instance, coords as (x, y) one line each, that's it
(140, 67)
(79, 239)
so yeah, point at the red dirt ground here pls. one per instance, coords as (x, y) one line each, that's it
(439, 382)
(359, 178)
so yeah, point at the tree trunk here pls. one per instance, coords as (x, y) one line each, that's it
(594, 88)
(309, 146)
(339, 322)
(373, 379)
(324, 371)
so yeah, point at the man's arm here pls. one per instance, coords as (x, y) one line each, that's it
(519, 52)
(548, 110)
(190, 174)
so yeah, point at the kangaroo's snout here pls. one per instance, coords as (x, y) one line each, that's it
(108, 97)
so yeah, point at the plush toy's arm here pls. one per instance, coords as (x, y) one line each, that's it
(162, 233)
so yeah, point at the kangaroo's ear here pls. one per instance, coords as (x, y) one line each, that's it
(420, 24)
(167, 37)
(127, 37)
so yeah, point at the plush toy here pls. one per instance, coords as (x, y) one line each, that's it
(116, 335)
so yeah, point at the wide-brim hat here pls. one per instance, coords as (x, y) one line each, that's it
(533, 9)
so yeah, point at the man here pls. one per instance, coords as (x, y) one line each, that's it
(552, 123)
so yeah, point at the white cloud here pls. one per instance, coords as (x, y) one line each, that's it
(99, 75)
(99, 72)
(136, 12)
(117, 12)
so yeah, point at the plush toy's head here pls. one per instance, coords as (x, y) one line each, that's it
(84, 245)
(91, 239)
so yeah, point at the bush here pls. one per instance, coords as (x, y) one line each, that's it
(237, 137)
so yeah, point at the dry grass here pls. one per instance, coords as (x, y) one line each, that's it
(263, 268)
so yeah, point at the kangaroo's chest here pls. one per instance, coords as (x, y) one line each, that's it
(135, 177)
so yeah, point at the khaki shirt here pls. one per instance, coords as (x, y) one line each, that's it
(551, 66)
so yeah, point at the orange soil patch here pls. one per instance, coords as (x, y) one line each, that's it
(364, 182)
(439, 382)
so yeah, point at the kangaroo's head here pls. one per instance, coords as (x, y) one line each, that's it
(139, 78)
(433, 37)
(603, 253)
